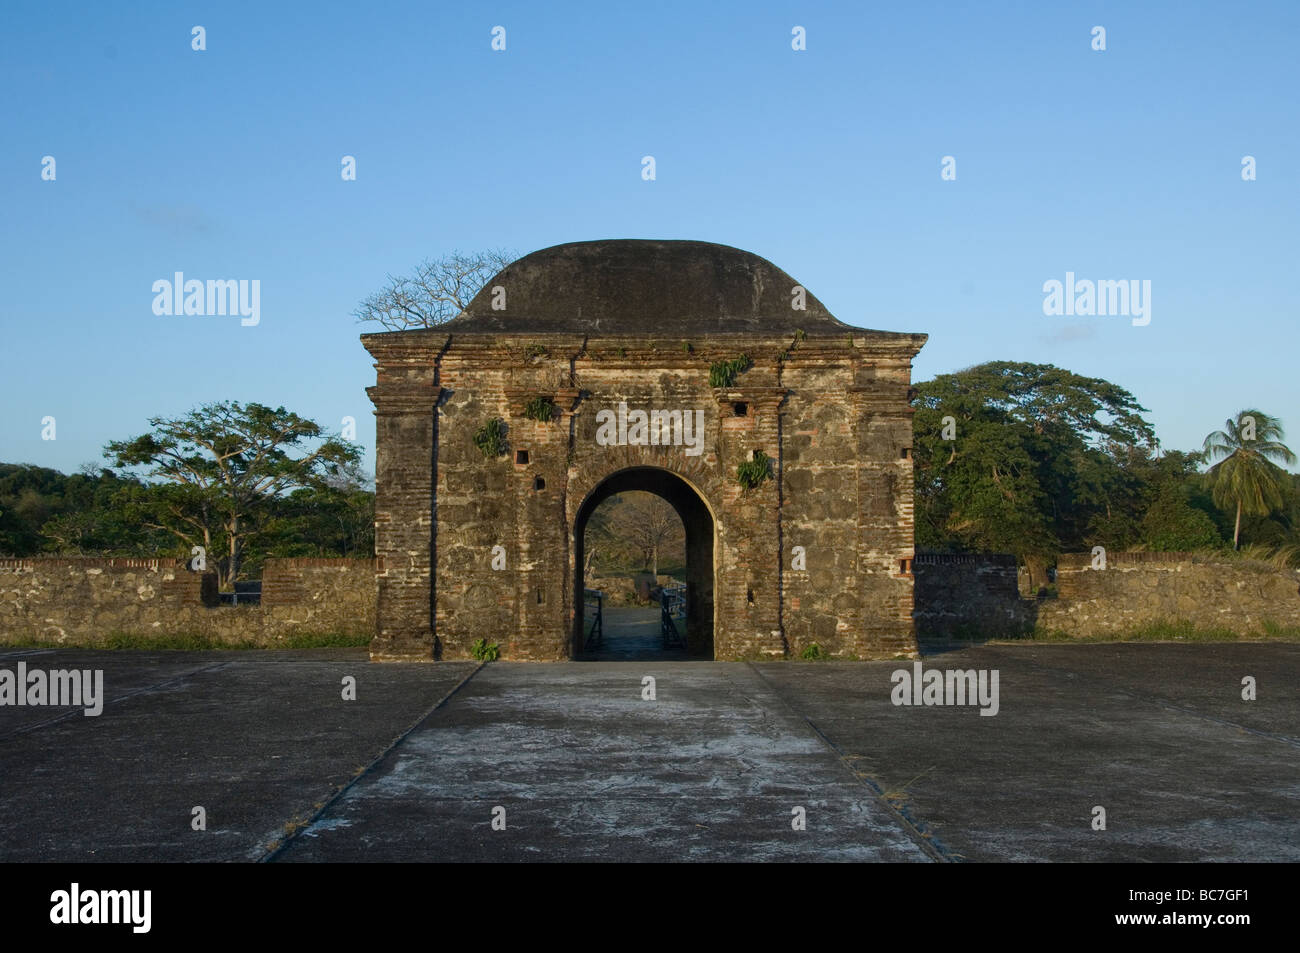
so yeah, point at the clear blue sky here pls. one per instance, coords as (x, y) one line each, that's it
(225, 164)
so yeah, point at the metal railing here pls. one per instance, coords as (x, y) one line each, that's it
(246, 593)
(596, 634)
(672, 610)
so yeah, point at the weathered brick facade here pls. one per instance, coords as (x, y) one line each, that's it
(598, 324)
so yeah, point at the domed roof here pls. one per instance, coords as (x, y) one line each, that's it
(639, 287)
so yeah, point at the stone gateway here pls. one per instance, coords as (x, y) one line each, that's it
(698, 372)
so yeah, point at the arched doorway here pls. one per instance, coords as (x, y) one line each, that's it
(700, 528)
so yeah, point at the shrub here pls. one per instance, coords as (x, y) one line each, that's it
(1171, 524)
(540, 408)
(751, 473)
(491, 438)
(814, 653)
(724, 373)
(484, 652)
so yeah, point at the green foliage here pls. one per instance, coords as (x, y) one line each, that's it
(535, 351)
(540, 408)
(751, 473)
(1172, 524)
(220, 467)
(491, 438)
(484, 652)
(688, 347)
(335, 520)
(814, 653)
(1043, 461)
(800, 335)
(724, 373)
(1268, 559)
(1245, 476)
(43, 510)
(105, 514)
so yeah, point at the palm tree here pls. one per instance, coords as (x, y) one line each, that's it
(1245, 473)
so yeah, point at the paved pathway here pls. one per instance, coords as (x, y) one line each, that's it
(586, 769)
(633, 633)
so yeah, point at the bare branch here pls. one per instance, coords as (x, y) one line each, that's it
(438, 291)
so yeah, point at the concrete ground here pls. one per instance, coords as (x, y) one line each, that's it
(585, 768)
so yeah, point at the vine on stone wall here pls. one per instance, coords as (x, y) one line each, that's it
(751, 473)
(724, 373)
(540, 408)
(491, 438)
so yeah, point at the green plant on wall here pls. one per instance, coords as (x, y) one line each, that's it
(491, 438)
(814, 653)
(535, 351)
(724, 373)
(484, 652)
(753, 472)
(539, 408)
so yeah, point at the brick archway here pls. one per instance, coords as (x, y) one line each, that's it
(495, 432)
(699, 520)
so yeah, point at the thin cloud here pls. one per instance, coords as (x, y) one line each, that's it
(179, 221)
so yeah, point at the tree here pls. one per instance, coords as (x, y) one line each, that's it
(634, 530)
(1038, 459)
(436, 292)
(1245, 475)
(99, 520)
(334, 519)
(595, 538)
(45, 510)
(1171, 524)
(222, 466)
(650, 524)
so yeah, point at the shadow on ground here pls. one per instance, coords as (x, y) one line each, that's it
(716, 767)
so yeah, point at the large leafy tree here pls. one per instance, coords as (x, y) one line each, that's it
(1245, 474)
(336, 518)
(222, 467)
(1039, 460)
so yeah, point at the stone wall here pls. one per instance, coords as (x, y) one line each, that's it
(84, 601)
(493, 543)
(978, 595)
(968, 595)
(1137, 589)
